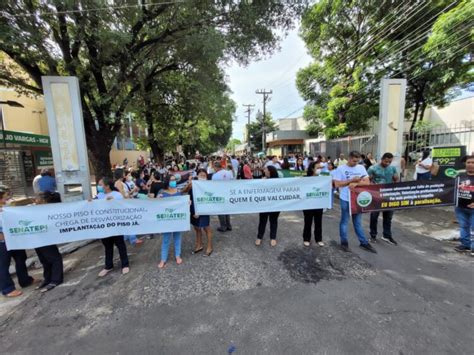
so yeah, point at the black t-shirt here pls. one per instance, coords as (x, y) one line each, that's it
(156, 187)
(465, 190)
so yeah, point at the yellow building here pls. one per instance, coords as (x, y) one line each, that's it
(25, 145)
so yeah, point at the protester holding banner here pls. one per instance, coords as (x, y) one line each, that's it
(222, 174)
(315, 215)
(383, 173)
(199, 222)
(299, 165)
(49, 255)
(7, 285)
(270, 173)
(170, 190)
(345, 177)
(423, 167)
(465, 208)
(107, 191)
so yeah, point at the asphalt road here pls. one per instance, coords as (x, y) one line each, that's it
(414, 298)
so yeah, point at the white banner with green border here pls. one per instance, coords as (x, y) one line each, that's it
(262, 195)
(35, 226)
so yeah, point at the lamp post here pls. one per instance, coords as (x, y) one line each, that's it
(10, 103)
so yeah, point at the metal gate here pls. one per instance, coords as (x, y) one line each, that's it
(12, 172)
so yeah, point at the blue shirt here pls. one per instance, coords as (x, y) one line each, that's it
(381, 175)
(47, 184)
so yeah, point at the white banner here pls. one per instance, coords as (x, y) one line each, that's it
(34, 226)
(262, 195)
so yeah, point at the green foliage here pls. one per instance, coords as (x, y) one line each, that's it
(255, 130)
(353, 49)
(230, 147)
(117, 52)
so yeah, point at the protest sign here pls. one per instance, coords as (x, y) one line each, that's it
(34, 226)
(411, 194)
(291, 173)
(262, 195)
(449, 160)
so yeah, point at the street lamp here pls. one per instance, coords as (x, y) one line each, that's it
(12, 104)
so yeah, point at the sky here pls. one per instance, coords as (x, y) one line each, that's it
(277, 73)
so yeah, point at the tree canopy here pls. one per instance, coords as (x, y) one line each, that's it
(119, 52)
(356, 43)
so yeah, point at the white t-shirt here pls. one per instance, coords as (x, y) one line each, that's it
(421, 170)
(222, 175)
(271, 163)
(344, 173)
(114, 194)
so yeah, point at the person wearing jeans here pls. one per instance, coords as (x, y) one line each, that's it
(346, 177)
(170, 190)
(383, 173)
(165, 246)
(465, 208)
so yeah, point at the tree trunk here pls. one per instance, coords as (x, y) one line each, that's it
(99, 155)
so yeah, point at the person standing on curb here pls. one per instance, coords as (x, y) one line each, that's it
(222, 174)
(465, 208)
(345, 177)
(383, 173)
(6, 283)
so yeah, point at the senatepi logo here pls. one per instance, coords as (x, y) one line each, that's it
(364, 199)
(26, 227)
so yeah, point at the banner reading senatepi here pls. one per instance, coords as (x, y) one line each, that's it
(265, 195)
(35, 226)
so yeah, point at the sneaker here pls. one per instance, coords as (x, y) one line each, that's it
(373, 239)
(368, 247)
(229, 229)
(462, 248)
(389, 240)
(345, 247)
(222, 229)
(321, 244)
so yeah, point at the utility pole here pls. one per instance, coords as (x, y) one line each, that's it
(266, 98)
(248, 111)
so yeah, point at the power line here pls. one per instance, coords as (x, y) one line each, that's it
(398, 44)
(65, 12)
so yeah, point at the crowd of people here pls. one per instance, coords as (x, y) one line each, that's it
(174, 177)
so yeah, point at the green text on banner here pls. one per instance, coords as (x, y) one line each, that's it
(262, 195)
(35, 226)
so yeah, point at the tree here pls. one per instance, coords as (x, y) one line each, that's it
(356, 43)
(233, 142)
(107, 48)
(255, 130)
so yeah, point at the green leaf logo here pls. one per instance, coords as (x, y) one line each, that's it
(209, 194)
(24, 223)
(170, 210)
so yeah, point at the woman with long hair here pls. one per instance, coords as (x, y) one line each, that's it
(313, 215)
(270, 173)
(170, 189)
(423, 166)
(107, 191)
(199, 222)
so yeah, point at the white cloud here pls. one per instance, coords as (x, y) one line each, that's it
(277, 73)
